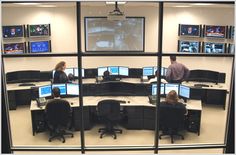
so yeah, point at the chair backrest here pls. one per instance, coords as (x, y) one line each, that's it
(172, 116)
(58, 112)
(109, 108)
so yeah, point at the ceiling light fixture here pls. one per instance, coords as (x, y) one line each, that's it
(202, 4)
(113, 3)
(27, 3)
(182, 6)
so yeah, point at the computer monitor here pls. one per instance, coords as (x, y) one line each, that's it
(72, 89)
(154, 70)
(124, 71)
(114, 70)
(169, 87)
(163, 71)
(62, 88)
(76, 72)
(101, 70)
(184, 91)
(69, 71)
(147, 71)
(45, 91)
(154, 89)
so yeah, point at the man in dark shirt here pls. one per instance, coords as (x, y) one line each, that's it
(176, 72)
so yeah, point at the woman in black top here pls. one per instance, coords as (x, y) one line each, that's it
(59, 75)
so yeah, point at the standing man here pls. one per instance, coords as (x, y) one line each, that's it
(176, 72)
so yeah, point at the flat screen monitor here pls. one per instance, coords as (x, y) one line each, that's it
(72, 89)
(62, 88)
(124, 71)
(76, 72)
(189, 46)
(147, 71)
(169, 87)
(231, 48)
(13, 31)
(154, 89)
(163, 71)
(45, 91)
(210, 47)
(39, 30)
(102, 34)
(154, 70)
(114, 70)
(69, 71)
(39, 46)
(189, 30)
(231, 32)
(14, 48)
(184, 91)
(215, 31)
(101, 70)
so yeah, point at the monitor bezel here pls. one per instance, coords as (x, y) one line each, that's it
(30, 44)
(23, 29)
(179, 43)
(45, 86)
(24, 46)
(204, 47)
(28, 31)
(189, 91)
(195, 36)
(225, 32)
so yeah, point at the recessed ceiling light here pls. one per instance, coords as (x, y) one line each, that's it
(109, 3)
(202, 4)
(47, 6)
(27, 3)
(182, 6)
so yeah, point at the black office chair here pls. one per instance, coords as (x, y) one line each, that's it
(172, 119)
(58, 116)
(109, 113)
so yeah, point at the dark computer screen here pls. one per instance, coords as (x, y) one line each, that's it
(169, 87)
(189, 46)
(203, 76)
(72, 89)
(39, 30)
(189, 30)
(210, 47)
(13, 31)
(45, 91)
(23, 76)
(114, 70)
(62, 88)
(40, 46)
(14, 48)
(184, 91)
(215, 31)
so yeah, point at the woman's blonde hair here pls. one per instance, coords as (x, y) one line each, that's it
(172, 97)
(60, 65)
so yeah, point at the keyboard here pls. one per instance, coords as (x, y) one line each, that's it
(26, 84)
(201, 85)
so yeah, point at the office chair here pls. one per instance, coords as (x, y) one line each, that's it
(109, 113)
(172, 119)
(58, 116)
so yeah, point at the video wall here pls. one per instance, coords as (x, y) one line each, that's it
(215, 39)
(14, 37)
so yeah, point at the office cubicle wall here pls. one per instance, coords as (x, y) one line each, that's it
(68, 41)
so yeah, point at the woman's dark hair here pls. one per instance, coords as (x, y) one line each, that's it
(172, 97)
(60, 65)
(56, 92)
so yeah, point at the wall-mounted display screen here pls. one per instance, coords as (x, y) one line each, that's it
(40, 46)
(210, 47)
(189, 30)
(102, 34)
(231, 32)
(14, 48)
(13, 31)
(39, 30)
(188, 46)
(215, 31)
(231, 48)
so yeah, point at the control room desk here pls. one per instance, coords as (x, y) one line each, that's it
(138, 113)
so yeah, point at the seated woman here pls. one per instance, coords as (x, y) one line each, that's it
(59, 75)
(173, 101)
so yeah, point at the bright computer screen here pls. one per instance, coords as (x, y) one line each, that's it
(39, 30)
(231, 49)
(45, 91)
(210, 47)
(114, 70)
(14, 48)
(69, 71)
(101, 70)
(76, 72)
(72, 89)
(39, 46)
(62, 88)
(13, 31)
(169, 87)
(189, 46)
(215, 31)
(154, 89)
(154, 70)
(163, 71)
(124, 71)
(147, 71)
(102, 34)
(162, 89)
(184, 91)
(189, 30)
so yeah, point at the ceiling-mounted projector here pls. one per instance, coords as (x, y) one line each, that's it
(116, 14)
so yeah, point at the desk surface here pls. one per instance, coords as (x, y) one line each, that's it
(211, 85)
(15, 86)
(133, 101)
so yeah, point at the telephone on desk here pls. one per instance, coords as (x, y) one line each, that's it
(41, 101)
